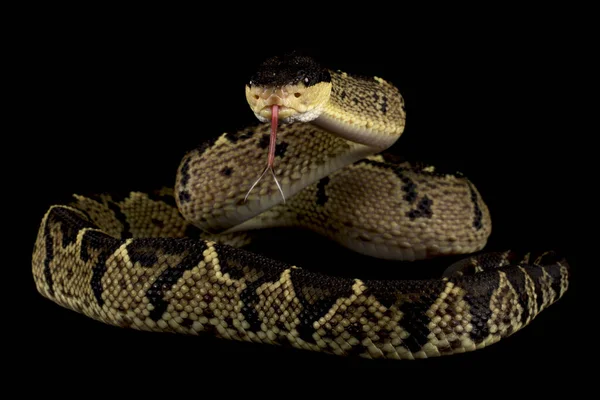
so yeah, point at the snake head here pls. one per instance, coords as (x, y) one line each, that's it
(297, 84)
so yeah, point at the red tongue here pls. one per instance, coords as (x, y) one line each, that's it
(273, 139)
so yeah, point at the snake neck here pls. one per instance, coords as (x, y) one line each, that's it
(369, 111)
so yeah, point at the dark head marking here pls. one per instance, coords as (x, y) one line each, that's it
(289, 69)
(227, 171)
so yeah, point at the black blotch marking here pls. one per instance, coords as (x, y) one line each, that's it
(357, 350)
(230, 263)
(316, 298)
(423, 209)
(481, 286)
(192, 249)
(355, 100)
(343, 94)
(416, 299)
(550, 259)
(321, 195)
(516, 278)
(69, 233)
(375, 98)
(355, 328)
(250, 300)
(280, 325)
(185, 171)
(239, 136)
(126, 231)
(549, 263)
(184, 196)
(187, 322)
(554, 272)
(537, 275)
(280, 149)
(227, 171)
(48, 259)
(385, 292)
(289, 69)
(415, 322)
(70, 224)
(478, 219)
(263, 143)
(106, 245)
(144, 251)
(409, 187)
(256, 269)
(208, 312)
(384, 104)
(158, 222)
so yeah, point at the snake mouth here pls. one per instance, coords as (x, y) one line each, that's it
(296, 102)
(284, 113)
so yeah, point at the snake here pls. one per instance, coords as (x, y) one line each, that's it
(174, 260)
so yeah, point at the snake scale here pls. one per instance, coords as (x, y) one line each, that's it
(171, 260)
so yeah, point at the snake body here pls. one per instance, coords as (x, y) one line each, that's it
(166, 261)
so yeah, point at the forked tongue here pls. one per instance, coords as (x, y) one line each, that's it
(271, 158)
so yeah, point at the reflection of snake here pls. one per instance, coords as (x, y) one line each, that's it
(133, 261)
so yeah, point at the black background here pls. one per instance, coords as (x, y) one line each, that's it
(115, 107)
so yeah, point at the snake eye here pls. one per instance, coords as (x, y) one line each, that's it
(297, 94)
(256, 97)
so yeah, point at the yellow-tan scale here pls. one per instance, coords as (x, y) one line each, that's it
(218, 289)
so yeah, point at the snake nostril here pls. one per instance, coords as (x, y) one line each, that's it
(297, 94)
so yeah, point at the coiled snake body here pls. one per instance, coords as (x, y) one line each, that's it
(140, 261)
